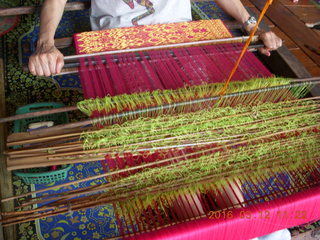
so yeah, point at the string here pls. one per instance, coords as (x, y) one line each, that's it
(164, 69)
(223, 91)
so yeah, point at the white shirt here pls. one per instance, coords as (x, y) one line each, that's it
(127, 13)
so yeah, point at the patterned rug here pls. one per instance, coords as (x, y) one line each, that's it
(23, 88)
(96, 223)
(210, 10)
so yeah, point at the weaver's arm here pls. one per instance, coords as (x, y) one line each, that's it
(47, 59)
(236, 9)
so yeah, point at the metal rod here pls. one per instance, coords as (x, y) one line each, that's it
(72, 62)
(253, 47)
(313, 80)
(177, 45)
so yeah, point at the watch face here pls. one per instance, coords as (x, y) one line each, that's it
(252, 20)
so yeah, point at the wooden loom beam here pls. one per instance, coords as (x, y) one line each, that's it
(72, 62)
(293, 27)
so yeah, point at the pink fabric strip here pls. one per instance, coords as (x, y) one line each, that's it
(248, 222)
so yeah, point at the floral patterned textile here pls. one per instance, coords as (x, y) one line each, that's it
(21, 87)
(210, 10)
(95, 223)
(150, 35)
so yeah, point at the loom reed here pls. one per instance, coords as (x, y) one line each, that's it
(96, 203)
(150, 110)
(105, 187)
(139, 141)
(211, 149)
(53, 155)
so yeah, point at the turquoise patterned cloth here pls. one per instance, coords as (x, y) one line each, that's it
(95, 223)
(210, 10)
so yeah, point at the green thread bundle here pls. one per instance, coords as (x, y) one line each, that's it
(129, 102)
(218, 124)
(226, 143)
(202, 144)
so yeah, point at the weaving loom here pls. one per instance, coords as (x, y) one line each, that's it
(183, 170)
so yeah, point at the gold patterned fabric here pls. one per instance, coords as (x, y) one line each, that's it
(149, 35)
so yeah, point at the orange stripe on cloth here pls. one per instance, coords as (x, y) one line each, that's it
(149, 35)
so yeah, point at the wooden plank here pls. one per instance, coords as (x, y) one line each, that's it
(72, 6)
(282, 62)
(306, 14)
(293, 27)
(6, 186)
(308, 63)
(301, 3)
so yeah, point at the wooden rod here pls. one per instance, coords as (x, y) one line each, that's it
(41, 162)
(72, 6)
(38, 114)
(73, 67)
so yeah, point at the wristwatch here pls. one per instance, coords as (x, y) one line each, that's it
(251, 20)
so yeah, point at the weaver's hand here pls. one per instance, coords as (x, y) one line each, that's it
(46, 61)
(271, 42)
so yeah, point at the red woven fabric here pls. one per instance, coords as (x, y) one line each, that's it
(248, 222)
(165, 69)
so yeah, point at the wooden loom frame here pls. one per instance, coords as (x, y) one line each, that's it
(282, 62)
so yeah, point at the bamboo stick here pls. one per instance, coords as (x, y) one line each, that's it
(77, 145)
(25, 137)
(89, 202)
(243, 169)
(38, 114)
(109, 174)
(93, 155)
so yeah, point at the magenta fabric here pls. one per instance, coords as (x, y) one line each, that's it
(248, 222)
